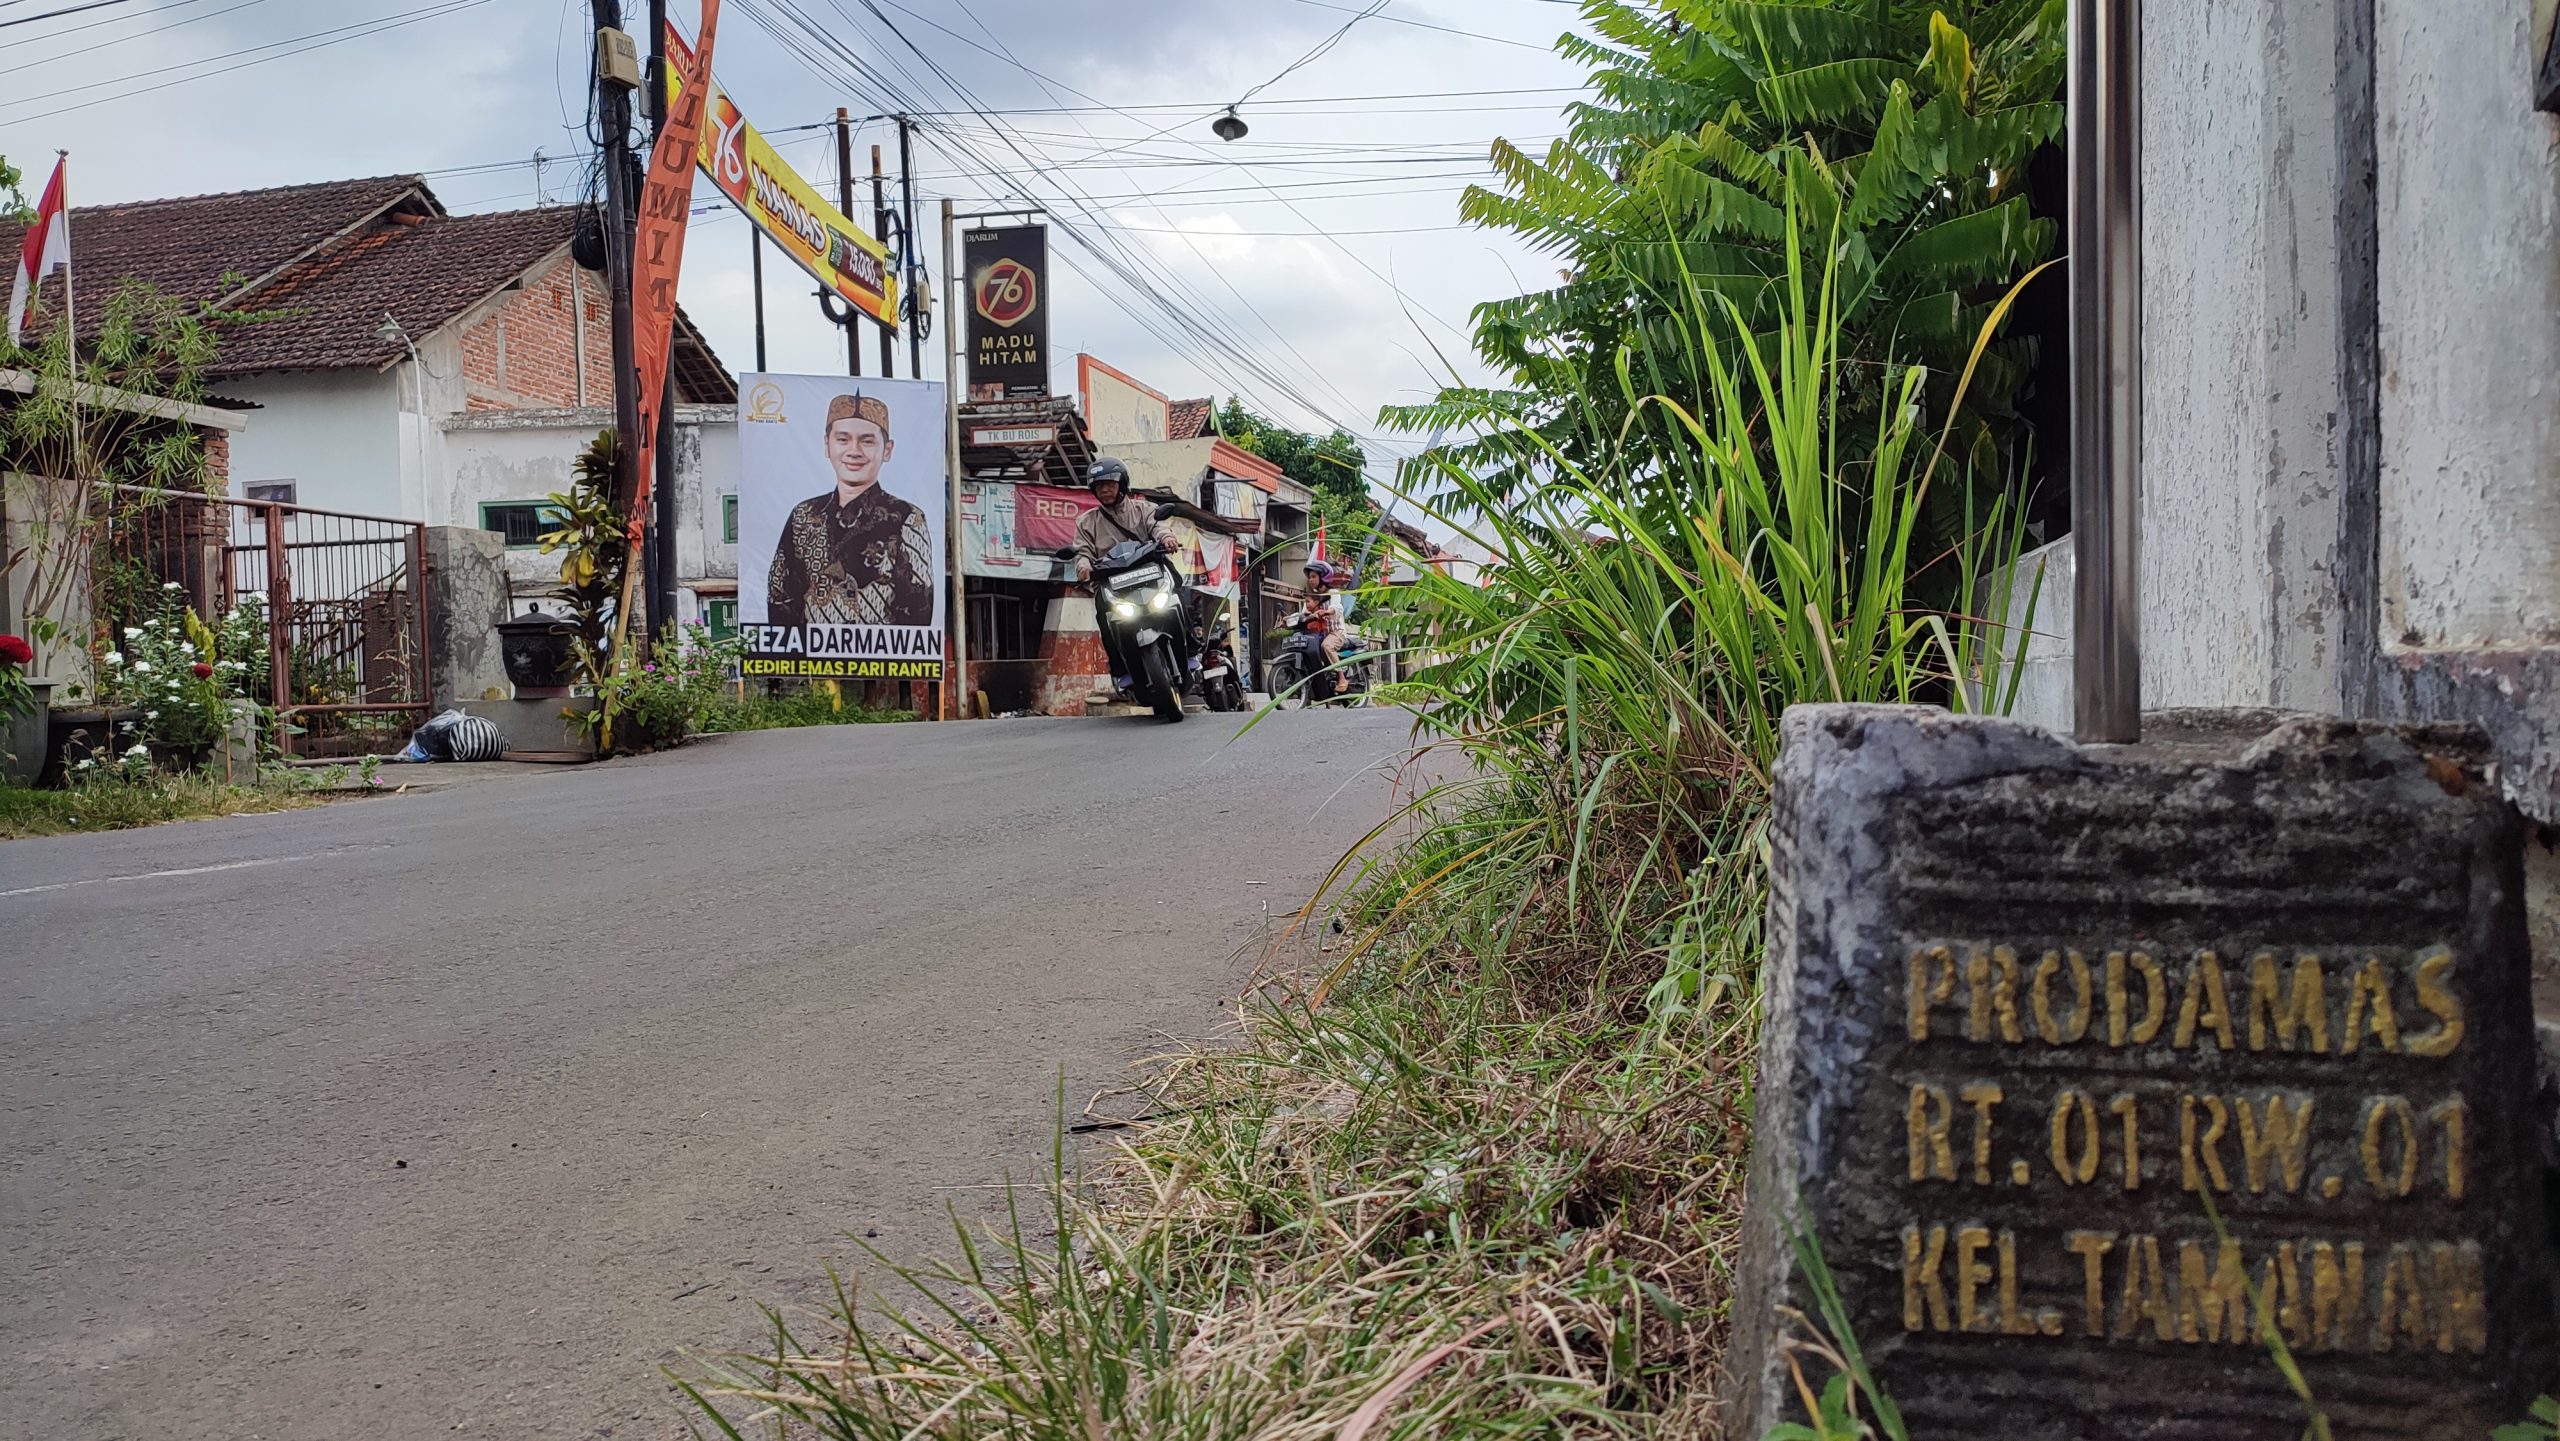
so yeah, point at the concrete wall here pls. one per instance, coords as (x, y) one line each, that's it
(467, 595)
(2469, 199)
(521, 455)
(334, 434)
(2240, 175)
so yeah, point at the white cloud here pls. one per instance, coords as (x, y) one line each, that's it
(1280, 232)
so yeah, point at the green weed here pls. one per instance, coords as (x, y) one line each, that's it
(118, 802)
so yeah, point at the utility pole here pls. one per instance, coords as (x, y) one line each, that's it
(613, 113)
(662, 495)
(907, 227)
(844, 203)
(957, 686)
(755, 259)
(880, 228)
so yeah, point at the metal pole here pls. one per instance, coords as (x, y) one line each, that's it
(755, 259)
(907, 219)
(662, 493)
(844, 202)
(880, 228)
(2106, 367)
(613, 106)
(959, 685)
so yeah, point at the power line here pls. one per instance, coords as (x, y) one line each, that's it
(1322, 46)
(1427, 25)
(57, 14)
(130, 35)
(319, 40)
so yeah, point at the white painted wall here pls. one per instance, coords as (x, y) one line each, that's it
(336, 434)
(2469, 177)
(2240, 346)
(517, 455)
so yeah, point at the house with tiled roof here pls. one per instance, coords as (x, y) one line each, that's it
(1191, 419)
(401, 360)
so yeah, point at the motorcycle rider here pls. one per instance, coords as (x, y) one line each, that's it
(1324, 614)
(1119, 516)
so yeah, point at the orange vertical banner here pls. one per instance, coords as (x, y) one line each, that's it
(666, 201)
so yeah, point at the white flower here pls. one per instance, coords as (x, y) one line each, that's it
(169, 585)
(116, 657)
(142, 667)
(86, 764)
(131, 631)
(151, 715)
(139, 749)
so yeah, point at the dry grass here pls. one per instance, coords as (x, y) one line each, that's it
(1478, 1191)
(118, 804)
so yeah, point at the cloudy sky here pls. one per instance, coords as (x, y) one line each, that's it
(1316, 267)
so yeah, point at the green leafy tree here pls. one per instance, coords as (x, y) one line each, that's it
(1903, 130)
(13, 196)
(71, 470)
(1329, 465)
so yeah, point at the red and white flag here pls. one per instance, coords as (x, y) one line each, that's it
(47, 249)
(1318, 553)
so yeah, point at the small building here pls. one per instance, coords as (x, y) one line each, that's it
(405, 361)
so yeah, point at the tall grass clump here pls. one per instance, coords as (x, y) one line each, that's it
(1473, 1167)
(1615, 680)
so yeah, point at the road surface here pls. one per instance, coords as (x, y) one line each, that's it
(461, 1113)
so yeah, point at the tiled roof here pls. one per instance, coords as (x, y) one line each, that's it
(324, 313)
(1189, 419)
(187, 247)
(325, 263)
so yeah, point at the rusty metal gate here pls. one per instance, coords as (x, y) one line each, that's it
(342, 597)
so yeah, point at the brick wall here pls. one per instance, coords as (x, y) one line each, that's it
(217, 458)
(526, 352)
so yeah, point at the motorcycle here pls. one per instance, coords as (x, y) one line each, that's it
(1221, 681)
(1299, 667)
(1138, 592)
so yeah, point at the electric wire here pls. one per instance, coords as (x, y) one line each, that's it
(319, 39)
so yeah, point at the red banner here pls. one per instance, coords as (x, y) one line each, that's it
(1045, 516)
(666, 199)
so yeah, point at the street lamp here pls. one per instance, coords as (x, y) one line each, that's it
(1229, 126)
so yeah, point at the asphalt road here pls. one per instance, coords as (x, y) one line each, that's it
(461, 1113)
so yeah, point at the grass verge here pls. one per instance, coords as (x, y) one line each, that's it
(116, 804)
(1452, 1208)
(791, 709)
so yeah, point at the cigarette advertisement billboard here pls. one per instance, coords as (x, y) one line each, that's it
(792, 214)
(1008, 270)
(840, 526)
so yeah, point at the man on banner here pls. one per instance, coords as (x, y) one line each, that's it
(46, 249)
(856, 555)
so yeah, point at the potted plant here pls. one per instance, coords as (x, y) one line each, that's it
(24, 706)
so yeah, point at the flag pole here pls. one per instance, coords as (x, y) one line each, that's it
(70, 320)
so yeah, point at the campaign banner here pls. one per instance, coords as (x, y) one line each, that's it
(1008, 270)
(792, 214)
(1045, 516)
(840, 527)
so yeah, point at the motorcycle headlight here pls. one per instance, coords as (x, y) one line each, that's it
(1123, 609)
(1162, 600)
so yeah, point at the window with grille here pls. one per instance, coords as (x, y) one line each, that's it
(522, 522)
(280, 491)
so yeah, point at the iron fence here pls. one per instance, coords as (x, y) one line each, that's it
(342, 597)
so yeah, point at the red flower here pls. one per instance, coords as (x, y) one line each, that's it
(202, 671)
(14, 650)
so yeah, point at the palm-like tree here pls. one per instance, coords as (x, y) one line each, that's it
(1901, 130)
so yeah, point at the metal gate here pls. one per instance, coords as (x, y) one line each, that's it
(342, 597)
